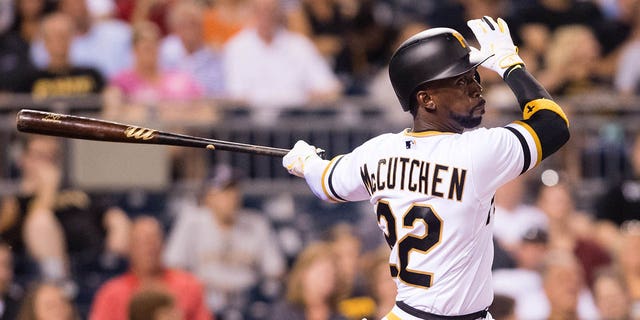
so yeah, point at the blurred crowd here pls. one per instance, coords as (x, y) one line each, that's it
(69, 254)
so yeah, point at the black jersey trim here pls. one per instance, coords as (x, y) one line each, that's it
(330, 183)
(525, 149)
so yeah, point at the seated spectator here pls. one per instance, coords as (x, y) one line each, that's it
(148, 272)
(503, 307)
(136, 11)
(59, 227)
(223, 19)
(524, 282)
(313, 287)
(380, 285)
(10, 296)
(231, 248)
(571, 62)
(270, 68)
(564, 288)
(323, 23)
(611, 295)
(153, 305)
(47, 301)
(628, 257)
(146, 84)
(103, 44)
(627, 74)
(185, 48)
(356, 304)
(513, 218)
(59, 77)
(571, 230)
(15, 43)
(621, 202)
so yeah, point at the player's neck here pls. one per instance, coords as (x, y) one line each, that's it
(421, 124)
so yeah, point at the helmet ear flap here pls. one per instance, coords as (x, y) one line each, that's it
(476, 76)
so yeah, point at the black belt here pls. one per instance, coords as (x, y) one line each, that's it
(430, 316)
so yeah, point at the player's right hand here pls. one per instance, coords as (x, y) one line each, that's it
(495, 40)
(295, 160)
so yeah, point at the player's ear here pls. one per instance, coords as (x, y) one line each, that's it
(425, 101)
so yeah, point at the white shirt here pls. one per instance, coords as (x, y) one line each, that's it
(510, 226)
(272, 75)
(226, 261)
(439, 188)
(527, 289)
(204, 65)
(106, 47)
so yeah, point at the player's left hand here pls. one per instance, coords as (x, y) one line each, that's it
(495, 40)
(295, 160)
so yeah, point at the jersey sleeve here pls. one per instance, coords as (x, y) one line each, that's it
(499, 155)
(339, 179)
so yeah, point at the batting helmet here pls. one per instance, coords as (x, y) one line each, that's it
(430, 55)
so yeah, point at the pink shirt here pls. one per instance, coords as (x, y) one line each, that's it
(112, 299)
(170, 85)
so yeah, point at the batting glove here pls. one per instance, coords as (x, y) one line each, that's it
(295, 160)
(495, 40)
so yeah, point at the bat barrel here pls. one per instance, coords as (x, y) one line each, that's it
(68, 126)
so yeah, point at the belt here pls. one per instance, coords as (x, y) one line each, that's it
(430, 316)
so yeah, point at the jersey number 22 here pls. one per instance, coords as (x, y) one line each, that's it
(422, 243)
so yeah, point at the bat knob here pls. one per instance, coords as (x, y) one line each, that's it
(321, 153)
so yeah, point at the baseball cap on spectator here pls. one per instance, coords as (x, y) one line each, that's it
(535, 235)
(223, 177)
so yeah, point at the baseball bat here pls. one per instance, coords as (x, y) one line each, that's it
(68, 126)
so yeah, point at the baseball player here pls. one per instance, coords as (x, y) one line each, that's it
(432, 186)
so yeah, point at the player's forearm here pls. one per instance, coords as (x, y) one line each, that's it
(542, 116)
(524, 86)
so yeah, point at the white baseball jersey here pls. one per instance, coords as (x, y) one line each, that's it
(433, 196)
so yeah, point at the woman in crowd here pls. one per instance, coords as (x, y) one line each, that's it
(314, 289)
(47, 301)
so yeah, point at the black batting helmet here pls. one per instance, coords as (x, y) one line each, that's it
(430, 55)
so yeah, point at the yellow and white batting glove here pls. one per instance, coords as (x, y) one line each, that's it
(295, 160)
(495, 39)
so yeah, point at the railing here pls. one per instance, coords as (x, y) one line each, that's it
(600, 123)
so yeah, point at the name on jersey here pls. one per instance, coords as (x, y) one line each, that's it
(399, 173)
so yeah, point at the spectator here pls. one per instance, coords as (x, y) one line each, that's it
(380, 89)
(612, 296)
(223, 19)
(9, 294)
(185, 49)
(47, 301)
(6, 8)
(524, 283)
(621, 202)
(103, 44)
(503, 307)
(571, 62)
(15, 43)
(381, 286)
(137, 93)
(323, 23)
(571, 230)
(153, 305)
(347, 248)
(136, 11)
(513, 218)
(271, 68)
(313, 287)
(563, 287)
(628, 257)
(148, 272)
(59, 76)
(627, 75)
(232, 249)
(57, 226)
